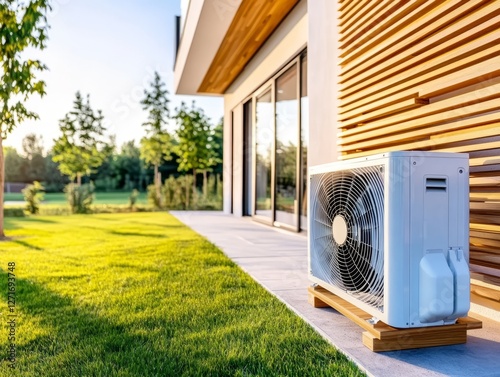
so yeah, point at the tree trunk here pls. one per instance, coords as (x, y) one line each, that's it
(78, 179)
(205, 183)
(187, 192)
(2, 182)
(157, 181)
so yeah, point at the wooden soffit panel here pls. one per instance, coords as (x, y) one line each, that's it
(254, 22)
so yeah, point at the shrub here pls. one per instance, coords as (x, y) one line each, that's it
(213, 199)
(13, 212)
(185, 192)
(132, 199)
(179, 193)
(153, 198)
(55, 210)
(33, 194)
(174, 192)
(80, 198)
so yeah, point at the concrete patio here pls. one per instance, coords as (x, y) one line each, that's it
(277, 259)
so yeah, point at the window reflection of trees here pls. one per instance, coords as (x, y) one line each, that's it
(286, 157)
(264, 142)
(286, 144)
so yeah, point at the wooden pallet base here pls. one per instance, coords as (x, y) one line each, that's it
(381, 337)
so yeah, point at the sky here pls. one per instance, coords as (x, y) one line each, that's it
(110, 50)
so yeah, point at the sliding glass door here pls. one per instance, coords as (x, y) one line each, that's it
(280, 142)
(304, 141)
(264, 134)
(287, 137)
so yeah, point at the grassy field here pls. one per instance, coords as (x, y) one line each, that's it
(100, 198)
(142, 295)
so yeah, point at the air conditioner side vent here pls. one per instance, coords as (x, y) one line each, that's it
(435, 184)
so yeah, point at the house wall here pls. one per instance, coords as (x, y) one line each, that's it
(425, 76)
(289, 39)
(323, 73)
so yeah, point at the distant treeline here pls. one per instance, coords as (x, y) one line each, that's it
(122, 170)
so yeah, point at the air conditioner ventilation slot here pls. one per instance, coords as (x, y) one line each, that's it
(435, 184)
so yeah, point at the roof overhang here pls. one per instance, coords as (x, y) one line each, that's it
(220, 38)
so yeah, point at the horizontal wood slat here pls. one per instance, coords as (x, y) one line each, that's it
(458, 105)
(433, 83)
(412, 64)
(363, 42)
(420, 75)
(434, 46)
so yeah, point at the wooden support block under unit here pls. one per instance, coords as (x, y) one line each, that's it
(380, 337)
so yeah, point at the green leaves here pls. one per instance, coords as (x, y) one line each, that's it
(156, 102)
(156, 148)
(81, 147)
(197, 148)
(157, 145)
(22, 25)
(33, 195)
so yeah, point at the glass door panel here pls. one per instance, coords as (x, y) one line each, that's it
(264, 131)
(287, 135)
(247, 158)
(304, 140)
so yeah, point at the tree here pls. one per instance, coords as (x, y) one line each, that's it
(104, 176)
(129, 167)
(32, 145)
(22, 25)
(218, 146)
(81, 147)
(196, 149)
(13, 165)
(157, 144)
(34, 161)
(33, 195)
(53, 180)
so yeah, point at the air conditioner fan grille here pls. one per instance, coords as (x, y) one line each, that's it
(346, 225)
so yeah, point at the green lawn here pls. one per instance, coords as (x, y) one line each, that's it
(142, 295)
(100, 198)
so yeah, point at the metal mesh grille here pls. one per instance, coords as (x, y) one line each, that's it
(346, 229)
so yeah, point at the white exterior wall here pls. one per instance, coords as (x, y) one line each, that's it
(322, 52)
(285, 43)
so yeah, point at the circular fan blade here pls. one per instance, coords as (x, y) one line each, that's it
(347, 214)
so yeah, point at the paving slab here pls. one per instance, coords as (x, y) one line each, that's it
(277, 259)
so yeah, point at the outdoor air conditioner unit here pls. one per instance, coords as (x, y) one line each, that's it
(390, 234)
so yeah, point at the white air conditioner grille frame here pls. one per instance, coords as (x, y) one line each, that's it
(356, 261)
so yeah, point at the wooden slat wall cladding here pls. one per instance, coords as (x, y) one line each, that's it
(254, 22)
(425, 75)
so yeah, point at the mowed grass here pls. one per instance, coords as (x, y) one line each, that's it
(142, 295)
(59, 198)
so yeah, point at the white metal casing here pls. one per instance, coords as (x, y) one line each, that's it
(425, 237)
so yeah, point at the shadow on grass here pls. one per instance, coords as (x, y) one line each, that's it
(75, 341)
(152, 235)
(92, 227)
(27, 244)
(166, 226)
(126, 234)
(102, 218)
(35, 219)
